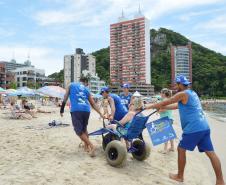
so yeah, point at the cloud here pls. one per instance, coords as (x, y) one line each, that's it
(94, 13)
(216, 46)
(163, 7)
(191, 15)
(42, 58)
(218, 23)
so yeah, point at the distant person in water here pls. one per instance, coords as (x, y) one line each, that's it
(196, 131)
(81, 99)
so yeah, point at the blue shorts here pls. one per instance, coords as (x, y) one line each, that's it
(200, 139)
(80, 121)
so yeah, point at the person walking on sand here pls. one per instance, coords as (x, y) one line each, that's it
(196, 131)
(80, 99)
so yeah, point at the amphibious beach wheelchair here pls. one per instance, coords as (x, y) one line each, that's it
(115, 150)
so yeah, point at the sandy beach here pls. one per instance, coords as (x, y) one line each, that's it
(33, 154)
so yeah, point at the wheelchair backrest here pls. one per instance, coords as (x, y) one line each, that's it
(136, 127)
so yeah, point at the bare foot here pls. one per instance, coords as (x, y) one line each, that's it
(86, 148)
(81, 145)
(220, 183)
(92, 152)
(175, 177)
(163, 151)
(171, 150)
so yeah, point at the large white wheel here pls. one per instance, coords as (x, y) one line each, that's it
(143, 150)
(116, 153)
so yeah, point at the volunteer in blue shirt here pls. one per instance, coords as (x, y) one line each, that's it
(196, 131)
(125, 95)
(118, 110)
(81, 99)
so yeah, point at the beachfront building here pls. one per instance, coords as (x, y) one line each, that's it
(6, 77)
(75, 64)
(130, 54)
(24, 76)
(181, 61)
(12, 65)
(95, 84)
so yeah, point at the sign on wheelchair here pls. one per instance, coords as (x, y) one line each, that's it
(161, 130)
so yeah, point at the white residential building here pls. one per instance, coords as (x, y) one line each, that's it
(75, 64)
(95, 84)
(28, 74)
(181, 62)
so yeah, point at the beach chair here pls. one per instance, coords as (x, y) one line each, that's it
(115, 150)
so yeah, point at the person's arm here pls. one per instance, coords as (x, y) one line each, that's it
(94, 105)
(64, 101)
(128, 117)
(170, 107)
(112, 105)
(181, 96)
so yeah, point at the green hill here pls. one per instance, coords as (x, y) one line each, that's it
(209, 67)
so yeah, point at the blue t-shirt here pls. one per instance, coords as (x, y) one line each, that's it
(79, 97)
(191, 114)
(120, 109)
(125, 99)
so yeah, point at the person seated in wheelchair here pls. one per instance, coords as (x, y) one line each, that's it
(122, 126)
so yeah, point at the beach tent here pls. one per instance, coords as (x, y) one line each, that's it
(137, 94)
(52, 91)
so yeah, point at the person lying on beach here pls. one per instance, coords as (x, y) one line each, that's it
(27, 109)
(31, 110)
(136, 106)
(18, 114)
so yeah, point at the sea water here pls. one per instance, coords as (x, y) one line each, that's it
(216, 111)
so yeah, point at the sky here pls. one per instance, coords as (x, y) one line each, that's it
(46, 30)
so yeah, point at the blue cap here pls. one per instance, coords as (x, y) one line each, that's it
(104, 89)
(126, 86)
(182, 80)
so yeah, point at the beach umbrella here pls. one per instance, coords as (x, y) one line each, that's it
(11, 92)
(19, 92)
(25, 91)
(52, 91)
(2, 91)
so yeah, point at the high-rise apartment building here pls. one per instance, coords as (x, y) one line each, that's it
(181, 62)
(130, 53)
(75, 64)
